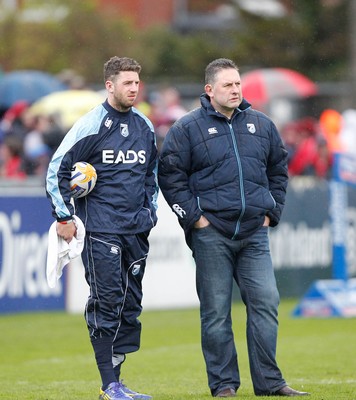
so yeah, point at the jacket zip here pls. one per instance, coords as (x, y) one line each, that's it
(242, 192)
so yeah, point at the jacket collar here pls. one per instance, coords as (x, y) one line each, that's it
(205, 102)
(113, 111)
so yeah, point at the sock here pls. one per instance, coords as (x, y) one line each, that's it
(117, 360)
(103, 355)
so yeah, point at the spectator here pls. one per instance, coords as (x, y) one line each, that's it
(13, 122)
(290, 134)
(11, 158)
(166, 109)
(72, 79)
(330, 122)
(36, 152)
(307, 148)
(53, 133)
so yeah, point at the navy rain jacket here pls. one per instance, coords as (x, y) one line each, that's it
(232, 171)
(121, 147)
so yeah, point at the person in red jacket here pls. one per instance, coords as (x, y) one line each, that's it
(309, 153)
(11, 162)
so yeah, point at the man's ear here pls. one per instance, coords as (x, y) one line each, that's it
(109, 86)
(208, 89)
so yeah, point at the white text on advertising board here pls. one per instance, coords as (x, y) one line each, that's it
(23, 263)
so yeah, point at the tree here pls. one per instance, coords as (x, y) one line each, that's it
(310, 39)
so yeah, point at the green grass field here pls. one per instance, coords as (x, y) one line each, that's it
(47, 356)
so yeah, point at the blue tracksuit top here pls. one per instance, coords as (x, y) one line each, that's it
(232, 171)
(122, 148)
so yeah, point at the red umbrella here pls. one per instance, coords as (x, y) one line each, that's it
(262, 85)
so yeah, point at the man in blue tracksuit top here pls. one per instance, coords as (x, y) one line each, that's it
(118, 215)
(223, 171)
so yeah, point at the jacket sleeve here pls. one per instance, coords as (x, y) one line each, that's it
(74, 147)
(277, 173)
(173, 176)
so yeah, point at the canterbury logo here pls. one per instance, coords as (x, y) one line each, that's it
(136, 269)
(212, 131)
(114, 250)
(130, 157)
(108, 123)
(178, 210)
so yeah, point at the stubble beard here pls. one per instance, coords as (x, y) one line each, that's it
(122, 104)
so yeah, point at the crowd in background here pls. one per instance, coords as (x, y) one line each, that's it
(311, 142)
(28, 141)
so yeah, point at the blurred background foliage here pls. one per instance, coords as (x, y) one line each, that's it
(312, 38)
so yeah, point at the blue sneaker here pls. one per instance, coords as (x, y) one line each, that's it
(113, 392)
(134, 395)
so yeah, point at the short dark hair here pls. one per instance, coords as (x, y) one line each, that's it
(117, 64)
(217, 65)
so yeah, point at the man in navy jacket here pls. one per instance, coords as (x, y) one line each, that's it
(223, 171)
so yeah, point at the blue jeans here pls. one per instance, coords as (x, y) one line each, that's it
(219, 261)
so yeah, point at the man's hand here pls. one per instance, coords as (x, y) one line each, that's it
(267, 221)
(201, 223)
(66, 231)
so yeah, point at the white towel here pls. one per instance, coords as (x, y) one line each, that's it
(60, 252)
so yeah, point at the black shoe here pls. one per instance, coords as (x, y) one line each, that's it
(288, 391)
(228, 392)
